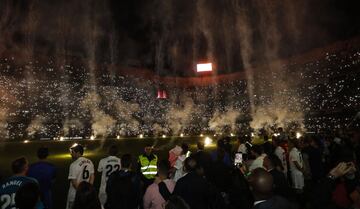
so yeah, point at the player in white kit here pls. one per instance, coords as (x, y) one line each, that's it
(107, 166)
(82, 169)
(296, 165)
(281, 154)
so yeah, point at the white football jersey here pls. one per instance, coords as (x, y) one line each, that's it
(81, 170)
(107, 166)
(295, 155)
(280, 153)
(296, 175)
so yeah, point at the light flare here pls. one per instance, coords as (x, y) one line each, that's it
(205, 67)
(208, 141)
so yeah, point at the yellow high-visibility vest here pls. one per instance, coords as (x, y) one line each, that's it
(148, 169)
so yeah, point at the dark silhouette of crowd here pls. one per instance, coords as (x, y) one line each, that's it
(312, 172)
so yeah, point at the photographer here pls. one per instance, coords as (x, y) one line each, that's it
(325, 195)
(240, 196)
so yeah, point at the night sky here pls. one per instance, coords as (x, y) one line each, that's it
(170, 37)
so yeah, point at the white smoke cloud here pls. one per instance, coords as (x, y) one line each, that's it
(102, 123)
(159, 129)
(178, 118)
(129, 125)
(3, 122)
(273, 115)
(36, 125)
(221, 120)
(72, 123)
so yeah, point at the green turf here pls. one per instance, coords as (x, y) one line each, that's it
(95, 150)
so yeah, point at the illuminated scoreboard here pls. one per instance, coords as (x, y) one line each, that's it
(205, 67)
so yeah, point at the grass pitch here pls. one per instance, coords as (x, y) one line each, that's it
(95, 150)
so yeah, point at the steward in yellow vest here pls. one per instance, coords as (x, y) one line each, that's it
(148, 165)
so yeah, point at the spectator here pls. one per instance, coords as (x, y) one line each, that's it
(220, 174)
(240, 196)
(27, 196)
(322, 197)
(261, 183)
(45, 173)
(314, 154)
(268, 145)
(174, 153)
(282, 136)
(341, 150)
(179, 172)
(355, 140)
(259, 154)
(296, 165)
(123, 188)
(242, 146)
(221, 148)
(281, 186)
(227, 145)
(335, 149)
(176, 202)
(12, 184)
(153, 199)
(86, 197)
(202, 157)
(193, 188)
(281, 154)
(305, 160)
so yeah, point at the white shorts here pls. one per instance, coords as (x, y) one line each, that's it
(297, 179)
(70, 200)
(102, 198)
(69, 204)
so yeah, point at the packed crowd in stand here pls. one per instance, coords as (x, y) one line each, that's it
(45, 99)
(314, 171)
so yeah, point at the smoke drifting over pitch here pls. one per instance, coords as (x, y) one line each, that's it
(169, 38)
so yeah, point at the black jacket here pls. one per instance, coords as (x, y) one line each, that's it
(123, 190)
(203, 159)
(239, 192)
(275, 202)
(281, 186)
(194, 189)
